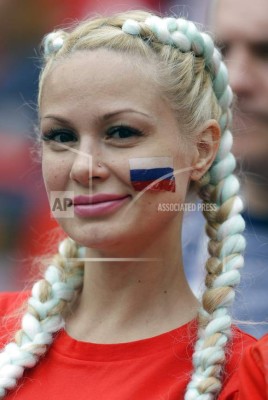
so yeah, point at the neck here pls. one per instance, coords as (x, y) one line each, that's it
(133, 299)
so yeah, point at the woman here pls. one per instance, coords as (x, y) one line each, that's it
(132, 109)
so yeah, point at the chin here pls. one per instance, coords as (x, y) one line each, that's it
(94, 236)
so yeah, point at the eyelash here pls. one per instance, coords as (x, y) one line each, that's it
(134, 132)
(53, 133)
(260, 51)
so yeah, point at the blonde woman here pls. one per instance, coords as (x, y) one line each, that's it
(133, 108)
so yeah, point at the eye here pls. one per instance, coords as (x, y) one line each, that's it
(59, 136)
(123, 132)
(261, 50)
(224, 48)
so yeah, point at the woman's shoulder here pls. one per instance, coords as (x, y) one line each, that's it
(260, 349)
(257, 355)
(241, 338)
(239, 343)
(254, 370)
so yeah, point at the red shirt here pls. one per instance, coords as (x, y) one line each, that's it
(157, 368)
(253, 374)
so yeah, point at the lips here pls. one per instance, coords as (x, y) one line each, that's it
(96, 198)
(98, 205)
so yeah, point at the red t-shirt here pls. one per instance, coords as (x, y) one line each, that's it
(253, 374)
(157, 368)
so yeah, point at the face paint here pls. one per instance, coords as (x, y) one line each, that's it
(154, 173)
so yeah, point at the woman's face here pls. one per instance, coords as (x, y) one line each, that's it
(99, 111)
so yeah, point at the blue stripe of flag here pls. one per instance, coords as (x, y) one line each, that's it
(150, 174)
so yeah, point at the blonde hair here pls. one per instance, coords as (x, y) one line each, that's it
(194, 79)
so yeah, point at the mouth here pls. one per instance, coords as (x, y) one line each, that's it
(96, 198)
(98, 204)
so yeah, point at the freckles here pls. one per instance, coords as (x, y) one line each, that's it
(53, 181)
(55, 174)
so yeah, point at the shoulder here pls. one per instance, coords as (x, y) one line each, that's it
(239, 343)
(259, 350)
(254, 370)
(257, 355)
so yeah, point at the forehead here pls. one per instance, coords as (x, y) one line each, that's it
(241, 19)
(98, 78)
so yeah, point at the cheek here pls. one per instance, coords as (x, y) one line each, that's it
(152, 173)
(119, 168)
(56, 173)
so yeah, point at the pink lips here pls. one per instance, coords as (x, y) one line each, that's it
(98, 204)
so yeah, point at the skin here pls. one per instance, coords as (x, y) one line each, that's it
(121, 301)
(241, 28)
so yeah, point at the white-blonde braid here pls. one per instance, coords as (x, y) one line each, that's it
(224, 226)
(43, 317)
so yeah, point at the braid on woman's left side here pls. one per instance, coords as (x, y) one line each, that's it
(49, 298)
(224, 225)
(224, 228)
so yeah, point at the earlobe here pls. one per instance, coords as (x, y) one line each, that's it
(207, 143)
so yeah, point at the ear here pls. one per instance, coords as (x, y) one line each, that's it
(207, 144)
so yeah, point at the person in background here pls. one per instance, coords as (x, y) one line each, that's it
(241, 30)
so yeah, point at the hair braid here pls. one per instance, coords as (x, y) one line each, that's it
(43, 316)
(224, 226)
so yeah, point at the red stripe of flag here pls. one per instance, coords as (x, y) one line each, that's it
(165, 184)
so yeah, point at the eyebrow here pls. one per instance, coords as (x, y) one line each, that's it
(127, 110)
(105, 117)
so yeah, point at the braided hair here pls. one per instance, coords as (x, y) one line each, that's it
(195, 80)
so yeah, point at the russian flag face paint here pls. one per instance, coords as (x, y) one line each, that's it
(154, 173)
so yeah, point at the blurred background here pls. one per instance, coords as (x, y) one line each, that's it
(25, 220)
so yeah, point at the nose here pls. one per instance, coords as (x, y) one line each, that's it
(88, 166)
(241, 75)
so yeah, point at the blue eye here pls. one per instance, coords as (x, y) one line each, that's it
(123, 132)
(59, 136)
